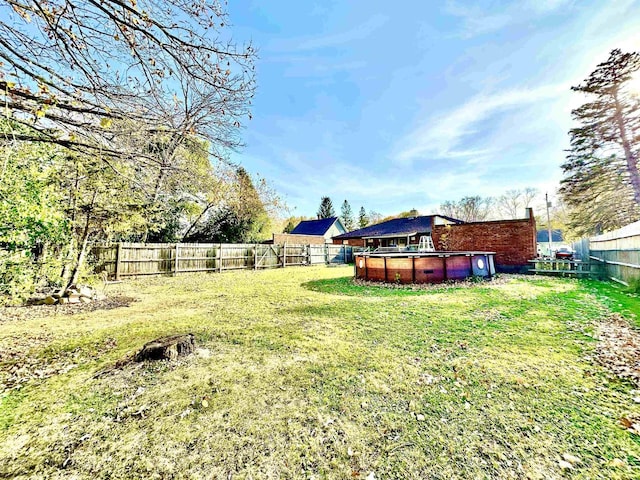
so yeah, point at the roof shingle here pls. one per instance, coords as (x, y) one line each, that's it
(399, 226)
(314, 227)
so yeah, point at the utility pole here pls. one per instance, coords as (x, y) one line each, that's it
(546, 198)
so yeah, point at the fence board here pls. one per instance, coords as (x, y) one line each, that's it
(131, 259)
(617, 252)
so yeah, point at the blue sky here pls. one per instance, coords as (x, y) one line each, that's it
(400, 105)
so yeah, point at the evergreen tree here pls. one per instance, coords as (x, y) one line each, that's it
(291, 224)
(602, 181)
(363, 219)
(326, 208)
(347, 216)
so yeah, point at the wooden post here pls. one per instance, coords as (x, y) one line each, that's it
(175, 266)
(220, 258)
(326, 253)
(118, 258)
(309, 254)
(284, 255)
(255, 256)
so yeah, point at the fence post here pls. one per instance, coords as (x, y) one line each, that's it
(309, 254)
(220, 258)
(118, 257)
(255, 256)
(175, 266)
(284, 255)
(326, 253)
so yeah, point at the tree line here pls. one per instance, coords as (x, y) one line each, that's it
(347, 217)
(511, 204)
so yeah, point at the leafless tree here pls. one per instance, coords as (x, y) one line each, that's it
(78, 71)
(468, 209)
(513, 203)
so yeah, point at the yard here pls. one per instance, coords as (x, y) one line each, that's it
(300, 373)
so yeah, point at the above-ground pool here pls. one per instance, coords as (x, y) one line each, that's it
(422, 267)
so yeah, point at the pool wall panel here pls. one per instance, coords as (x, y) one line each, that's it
(433, 267)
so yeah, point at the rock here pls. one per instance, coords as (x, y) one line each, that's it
(74, 298)
(63, 300)
(167, 348)
(50, 300)
(85, 299)
(85, 291)
(98, 296)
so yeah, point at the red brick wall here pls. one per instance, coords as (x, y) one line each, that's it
(514, 241)
(282, 238)
(355, 242)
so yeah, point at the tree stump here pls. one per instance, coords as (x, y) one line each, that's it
(167, 348)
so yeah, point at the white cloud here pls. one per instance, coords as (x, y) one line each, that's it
(478, 19)
(440, 136)
(358, 32)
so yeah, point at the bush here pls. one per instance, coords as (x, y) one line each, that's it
(17, 276)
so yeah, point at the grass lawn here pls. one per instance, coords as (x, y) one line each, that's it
(303, 374)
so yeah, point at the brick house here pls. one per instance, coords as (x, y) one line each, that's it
(513, 241)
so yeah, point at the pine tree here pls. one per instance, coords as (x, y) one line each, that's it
(602, 181)
(326, 208)
(347, 216)
(291, 224)
(363, 219)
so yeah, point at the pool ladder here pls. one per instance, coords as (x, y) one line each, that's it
(426, 244)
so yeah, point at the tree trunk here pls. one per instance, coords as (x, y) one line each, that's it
(632, 161)
(167, 348)
(82, 253)
(192, 226)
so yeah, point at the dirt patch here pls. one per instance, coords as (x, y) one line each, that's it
(39, 311)
(619, 348)
(19, 367)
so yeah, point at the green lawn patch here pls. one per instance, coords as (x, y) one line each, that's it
(618, 298)
(303, 373)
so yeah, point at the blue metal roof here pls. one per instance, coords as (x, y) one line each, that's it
(314, 227)
(399, 226)
(543, 236)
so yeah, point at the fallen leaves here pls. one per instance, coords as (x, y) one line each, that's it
(632, 425)
(41, 311)
(619, 348)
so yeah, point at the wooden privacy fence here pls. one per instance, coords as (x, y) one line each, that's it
(130, 259)
(617, 252)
